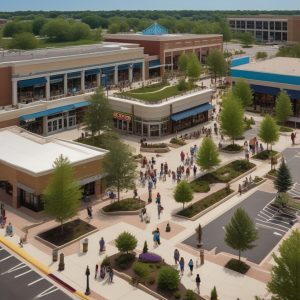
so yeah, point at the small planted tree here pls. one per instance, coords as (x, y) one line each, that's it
(283, 181)
(126, 242)
(183, 193)
(243, 92)
(247, 39)
(214, 294)
(208, 155)
(194, 67)
(268, 132)
(283, 107)
(240, 233)
(232, 117)
(145, 248)
(217, 63)
(120, 167)
(183, 63)
(168, 279)
(62, 195)
(285, 273)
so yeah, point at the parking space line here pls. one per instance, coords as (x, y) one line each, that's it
(23, 273)
(47, 292)
(34, 282)
(7, 257)
(270, 227)
(15, 268)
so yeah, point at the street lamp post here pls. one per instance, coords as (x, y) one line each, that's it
(87, 274)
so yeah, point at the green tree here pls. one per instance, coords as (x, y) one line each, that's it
(126, 242)
(183, 192)
(225, 30)
(194, 67)
(120, 167)
(214, 294)
(285, 282)
(282, 199)
(208, 155)
(247, 39)
(268, 132)
(232, 117)
(283, 181)
(80, 31)
(24, 41)
(62, 195)
(283, 107)
(243, 92)
(13, 28)
(38, 24)
(183, 63)
(217, 63)
(168, 278)
(57, 30)
(240, 233)
(93, 21)
(98, 116)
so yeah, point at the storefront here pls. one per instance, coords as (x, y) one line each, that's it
(153, 128)
(123, 122)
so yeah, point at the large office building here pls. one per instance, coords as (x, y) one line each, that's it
(267, 78)
(268, 28)
(163, 49)
(26, 165)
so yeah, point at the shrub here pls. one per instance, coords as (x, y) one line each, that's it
(183, 85)
(233, 147)
(285, 129)
(266, 154)
(177, 295)
(261, 55)
(238, 266)
(177, 141)
(124, 261)
(200, 186)
(124, 205)
(168, 279)
(126, 242)
(145, 248)
(190, 295)
(150, 257)
(155, 145)
(213, 294)
(106, 262)
(141, 270)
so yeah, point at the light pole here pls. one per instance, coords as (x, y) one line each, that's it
(87, 274)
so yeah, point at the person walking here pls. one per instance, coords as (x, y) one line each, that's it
(191, 266)
(181, 265)
(158, 199)
(155, 238)
(176, 256)
(195, 170)
(198, 280)
(90, 212)
(293, 136)
(111, 274)
(96, 270)
(102, 245)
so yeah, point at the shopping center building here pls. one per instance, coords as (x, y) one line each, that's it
(26, 165)
(267, 78)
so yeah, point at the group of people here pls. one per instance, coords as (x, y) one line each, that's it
(253, 146)
(101, 273)
(245, 185)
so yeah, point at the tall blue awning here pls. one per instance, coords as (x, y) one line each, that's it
(92, 72)
(74, 75)
(32, 82)
(274, 91)
(191, 112)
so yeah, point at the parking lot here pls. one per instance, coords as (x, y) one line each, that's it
(19, 281)
(271, 224)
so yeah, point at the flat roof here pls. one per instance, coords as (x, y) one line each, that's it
(35, 154)
(278, 65)
(163, 37)
(26, 55)
(263, 16)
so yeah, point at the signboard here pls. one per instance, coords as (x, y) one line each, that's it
(121, 116)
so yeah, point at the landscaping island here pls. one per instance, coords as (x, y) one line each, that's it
(125, 205)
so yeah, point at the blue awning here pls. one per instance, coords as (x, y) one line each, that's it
(293, 94)
(53, 111)
(74, 75)
(32, 82)
(108, 70)
(191, 112)
(92, 72)
(56, 78)
(138, 65)
(123, 67)
(154, 63)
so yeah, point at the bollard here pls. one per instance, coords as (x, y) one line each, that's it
(54, 255)
(61, 265)
(85, 245)
(202, 257)
(168, 227)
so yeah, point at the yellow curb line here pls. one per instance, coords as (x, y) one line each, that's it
(34, 262)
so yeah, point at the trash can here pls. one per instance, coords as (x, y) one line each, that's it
(55, 255)
(85, 245)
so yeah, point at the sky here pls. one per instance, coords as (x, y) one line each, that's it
(13, 5)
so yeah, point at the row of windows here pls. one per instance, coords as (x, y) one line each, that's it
(272, 25)
(267, 35)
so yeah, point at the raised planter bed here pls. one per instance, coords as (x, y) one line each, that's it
(128, 206)
(271, 174)
(232, 149)
(155, 148)
(266, 155)
(176, 143)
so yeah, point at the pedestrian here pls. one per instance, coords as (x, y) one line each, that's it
(102, 245)
(135, 193)
(198, 280)
(9, 230)
(191, 266)
(195, 170)
(102, 272)
(293, 136)
(155, 238)
(110, 274)
(240, 189)
(96, 270)
(89, 212)
(158, 199)
(176, 256)
(182, 156)
(181, 265)
(158, 236)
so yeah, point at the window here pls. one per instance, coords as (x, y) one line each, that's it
(272, 25)
(250, 24)
(258, 24)
(265, 36)
(277, 25)
(284, 36)
(284, 26)
(265, 25)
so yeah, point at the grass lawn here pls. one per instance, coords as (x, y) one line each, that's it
(157, 96)
(71, 231)
(222, 175)
(149, 88)
(100, 141)
(272, 172)
(294, 204)
(204, 203)
(266, 154)
(285, 129)
(128, 204)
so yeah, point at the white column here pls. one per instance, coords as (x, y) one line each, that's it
(116, 75)
(82, 81)
(65, 84)
(48, 88)
(14, 92)
(143, 71)
(130, 72)
(45, 126)
(99, 79)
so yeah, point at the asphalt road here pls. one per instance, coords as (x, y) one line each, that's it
(292, 157)
(271, 226)
(18, 281)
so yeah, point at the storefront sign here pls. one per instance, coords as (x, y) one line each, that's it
(121, 116)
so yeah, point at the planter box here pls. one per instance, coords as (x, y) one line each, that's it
(120, 213)
(230, 152)
(155, 150)
(242, 175)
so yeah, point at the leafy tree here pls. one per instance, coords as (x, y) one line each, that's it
(126, 242)
(183, 192)
(283, 181)
(242, 90)
(98, 115)
(62, 195)
(284, 284)
(168, 279)
(24, 40)
(225, 30)
(120, 167)
(38, 24)
(240, 233)
(145, 248)
(232, 117)
(268, 132)
(214, 294)
(80, 31)
(217, 63)
(247, 39)
(208, 155)
(283, 107)
(183, 63)
(13, 28)
(194, 67)
(93, 21)
(57, 30)
(282, 199)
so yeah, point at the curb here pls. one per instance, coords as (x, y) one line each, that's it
(41, 267)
